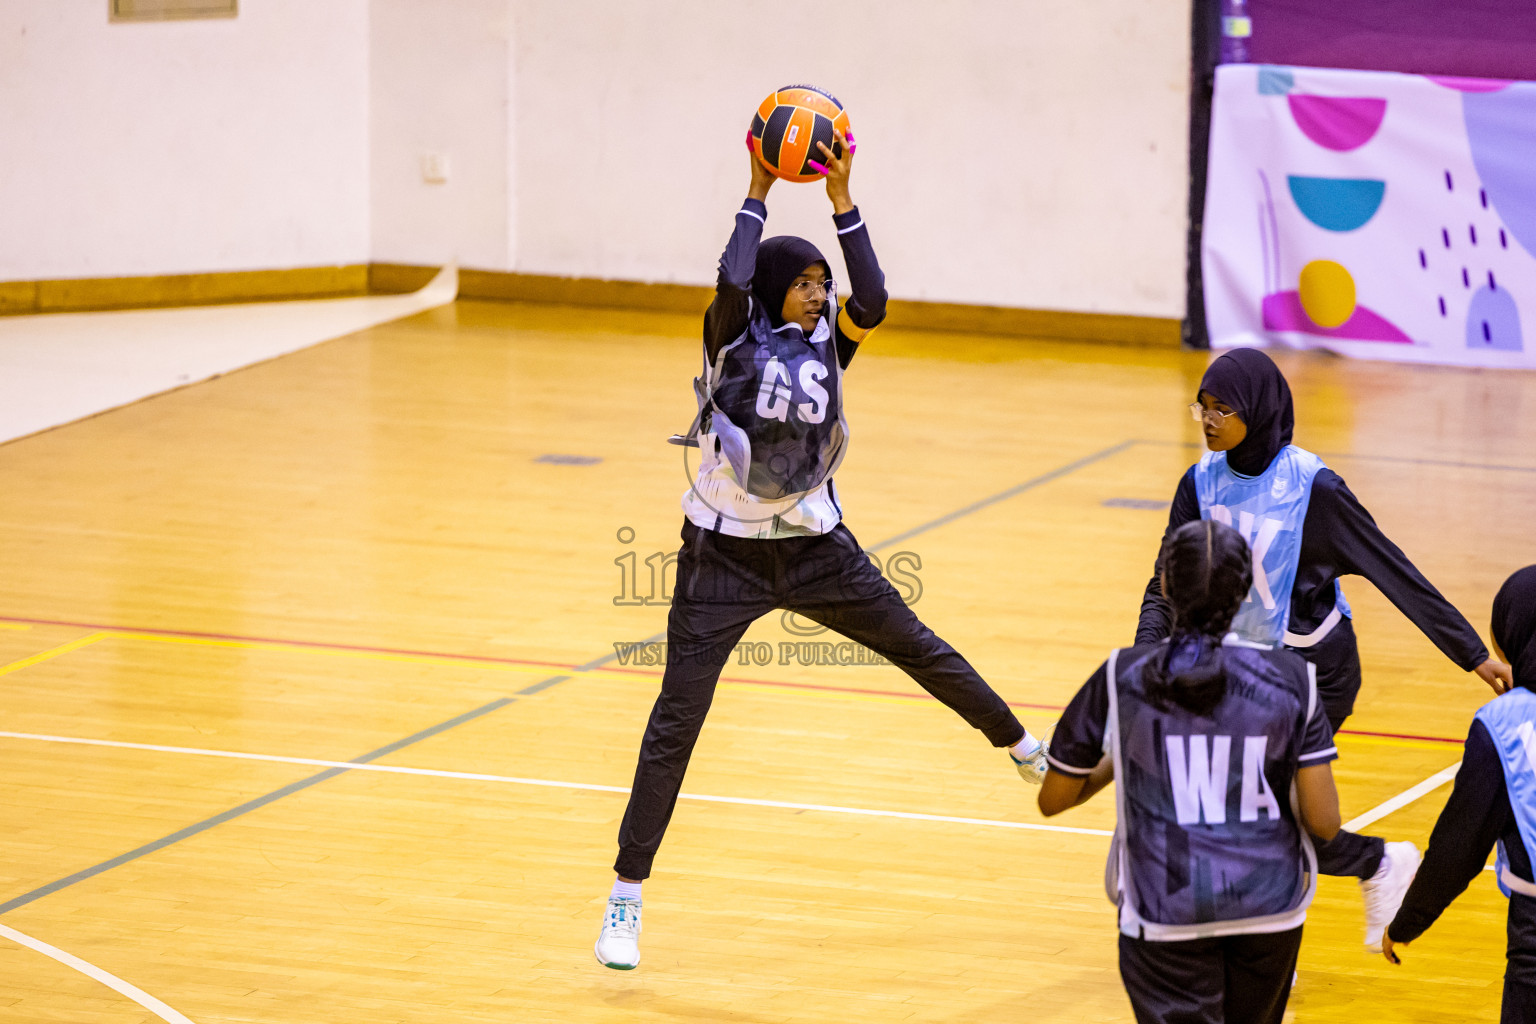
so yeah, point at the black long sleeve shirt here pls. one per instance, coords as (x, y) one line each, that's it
(732, 305)
(1338, 538)
(1477, 815)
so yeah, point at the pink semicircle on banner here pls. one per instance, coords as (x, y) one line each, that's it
(1340, 123)
(1469, 84)
(1283, 312)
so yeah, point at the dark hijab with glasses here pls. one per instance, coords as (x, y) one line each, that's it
(1339, 538)
(780, 260)
(1250, 384)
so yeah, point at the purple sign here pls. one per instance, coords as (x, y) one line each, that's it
(1473, 38)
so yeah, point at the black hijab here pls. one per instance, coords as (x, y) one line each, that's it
(780, 260)
(1250, 383)
(1514, 624)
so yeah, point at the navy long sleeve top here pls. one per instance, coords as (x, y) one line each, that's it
(1338, 538)
(732, 304)
(1477, 815)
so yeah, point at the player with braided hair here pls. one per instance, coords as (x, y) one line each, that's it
(1222, 748)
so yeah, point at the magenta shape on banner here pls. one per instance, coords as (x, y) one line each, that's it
(1283, 312)
(1469, 84)
(1340, 123)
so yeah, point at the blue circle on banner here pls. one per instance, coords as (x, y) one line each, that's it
(1337, 204)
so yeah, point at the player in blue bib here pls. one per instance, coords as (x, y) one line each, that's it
(1222, 750)
(763, 527)
(1493, 805)
(1306, 529)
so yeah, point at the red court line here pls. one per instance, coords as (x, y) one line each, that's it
(1401, 736)
(316, 644)
(871, 693)
(487, 659)
(1039, 707)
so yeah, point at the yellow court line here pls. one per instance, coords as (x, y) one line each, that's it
(277, 645)
(15, 625)
(421, 659)
(62, 649)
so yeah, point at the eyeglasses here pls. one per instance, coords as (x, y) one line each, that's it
(805, 289)
(1200, 414)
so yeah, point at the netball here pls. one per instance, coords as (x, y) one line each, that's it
(790, 122)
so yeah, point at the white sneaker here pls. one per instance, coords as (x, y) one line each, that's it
(618, 944)
(1033, 768)
(1385, 890)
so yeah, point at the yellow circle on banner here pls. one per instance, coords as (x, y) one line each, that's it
(1327, 293)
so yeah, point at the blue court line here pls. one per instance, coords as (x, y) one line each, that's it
(1405, 459)
(546, 684)
(1011, 492)
(247, 807)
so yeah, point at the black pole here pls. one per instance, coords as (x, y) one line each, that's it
(1205, 54)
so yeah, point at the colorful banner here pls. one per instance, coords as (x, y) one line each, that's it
(1375, 214)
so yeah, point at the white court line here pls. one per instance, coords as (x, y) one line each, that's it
(552, 784)
(1402, 799)
(95, 973)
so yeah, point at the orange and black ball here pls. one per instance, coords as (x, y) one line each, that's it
(790, 122)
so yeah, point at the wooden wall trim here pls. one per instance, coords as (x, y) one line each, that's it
(694, 299)
(1056, 324)
(387, 278)
(93, 293)
(935, 316)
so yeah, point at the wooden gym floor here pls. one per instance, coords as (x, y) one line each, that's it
(381, 550)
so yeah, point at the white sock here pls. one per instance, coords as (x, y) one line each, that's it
(1025, 747)
(625, 890)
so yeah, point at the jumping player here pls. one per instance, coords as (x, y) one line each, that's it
(762, 528)
(1307, 529)
(1211, 870)
(1492, 804)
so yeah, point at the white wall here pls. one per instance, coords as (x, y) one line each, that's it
(439, 83)
(1019, 154)
(180, 147)
(1015, 154)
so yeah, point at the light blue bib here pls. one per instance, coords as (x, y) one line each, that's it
(1269, 510)
(1511, 721)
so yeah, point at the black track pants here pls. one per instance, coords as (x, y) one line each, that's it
(1520, 972)
(723, 585)
(1239, 979)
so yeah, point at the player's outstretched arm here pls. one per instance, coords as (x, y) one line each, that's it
(1360, 546)
(837, 169)
(762, 177)
(731, 307)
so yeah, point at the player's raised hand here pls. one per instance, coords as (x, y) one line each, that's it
(762, 177)
(836, 167)
(1496, 674)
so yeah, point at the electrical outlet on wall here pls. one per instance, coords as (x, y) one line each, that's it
(434, 168)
